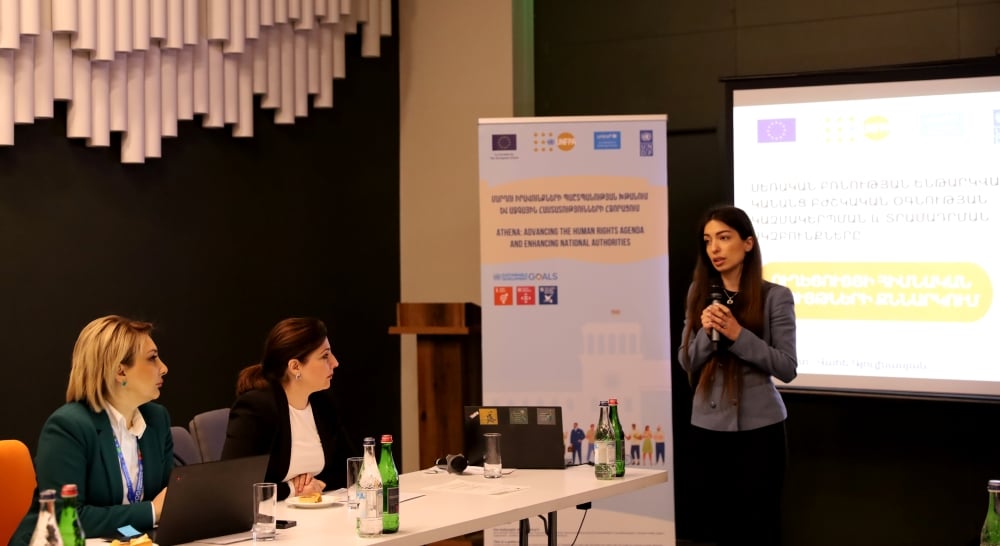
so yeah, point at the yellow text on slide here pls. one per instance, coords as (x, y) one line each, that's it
(904, 291)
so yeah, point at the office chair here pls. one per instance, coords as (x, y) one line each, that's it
(185, 448)
(17, 486)
(209, 431)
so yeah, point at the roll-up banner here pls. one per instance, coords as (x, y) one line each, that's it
(573, 223)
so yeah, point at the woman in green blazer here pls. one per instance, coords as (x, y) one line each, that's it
(109, 438)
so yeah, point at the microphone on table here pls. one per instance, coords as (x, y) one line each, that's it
(454, 464)
(715, 295)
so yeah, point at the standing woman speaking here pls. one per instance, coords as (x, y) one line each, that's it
(739, 331)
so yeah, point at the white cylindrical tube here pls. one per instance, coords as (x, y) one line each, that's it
(79, 110)
(6, 97)
(280, 12)
(118, 96)
(217, 20)
(260, 62)
(339, 53)
(237, 27)
(192, 17)
(30, 17)
(371, 36)
(158, 20)
(85, 37)
(285, 114)
(185, 84)
(350, 23)
(324, 99)
(134, 139)
(272, 97)
(312, 59)
(216, 87)
(140, 25)
(200, 97)
(44, 92)
(175, 25)
(319, 7)
(24, 81)
(307, 17)
(64, 15)
(294, 10)
(252, 28)
(361, 11)
(230, 84)
(10, 24)
(266, 13)
(168, 92)
(345, 7)
(301, 74)
(100, 102)
(105, 39)
(62, 67)
(244, 121)
(123, 25)
(152, 98)
(385, 25)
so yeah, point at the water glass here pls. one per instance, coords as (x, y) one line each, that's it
(265, 510)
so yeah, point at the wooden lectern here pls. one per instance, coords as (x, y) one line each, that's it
(449, 370)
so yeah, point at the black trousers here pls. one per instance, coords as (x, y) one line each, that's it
(741, 476)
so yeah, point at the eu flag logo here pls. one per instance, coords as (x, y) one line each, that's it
(776, 130)
(504, 142)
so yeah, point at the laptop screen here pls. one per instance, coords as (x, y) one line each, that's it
(530, 436)
(209, 500)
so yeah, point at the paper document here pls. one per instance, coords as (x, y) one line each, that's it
(474, 487)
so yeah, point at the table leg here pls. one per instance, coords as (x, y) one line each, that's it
(522, 532)
(552, 529)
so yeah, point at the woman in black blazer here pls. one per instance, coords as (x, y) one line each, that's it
(283, 409)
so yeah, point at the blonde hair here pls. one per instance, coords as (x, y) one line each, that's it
(102, 346)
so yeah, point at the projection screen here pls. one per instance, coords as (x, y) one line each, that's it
(876, 199)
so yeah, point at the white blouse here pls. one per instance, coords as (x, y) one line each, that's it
(307, 448)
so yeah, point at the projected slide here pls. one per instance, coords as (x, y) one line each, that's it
(878, 205)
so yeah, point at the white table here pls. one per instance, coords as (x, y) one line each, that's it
(441, 515)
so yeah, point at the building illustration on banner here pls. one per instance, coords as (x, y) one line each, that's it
(611, 362)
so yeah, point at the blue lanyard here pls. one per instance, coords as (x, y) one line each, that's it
(134, 494)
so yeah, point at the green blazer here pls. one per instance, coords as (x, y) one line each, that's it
(77, 446)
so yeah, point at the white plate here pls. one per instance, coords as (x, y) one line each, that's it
(327, 500)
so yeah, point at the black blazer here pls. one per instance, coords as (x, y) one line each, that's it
(259, 424)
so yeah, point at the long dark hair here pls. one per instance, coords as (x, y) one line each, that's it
(292, 338)
(748, 307)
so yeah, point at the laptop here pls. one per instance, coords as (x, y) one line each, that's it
(209, 500)
(531, 436)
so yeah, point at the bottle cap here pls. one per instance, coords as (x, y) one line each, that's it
(69, 490)
(993, 486)
(387, 438)
(603, 403)
(369, 441)
(612, 401)
(47, 495)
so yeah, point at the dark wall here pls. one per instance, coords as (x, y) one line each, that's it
(214, 243)
(862, 471)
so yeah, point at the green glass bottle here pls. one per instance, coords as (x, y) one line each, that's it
(390, 487)
(69, 519)
(991, 527)
(604, 446)
(619, 438)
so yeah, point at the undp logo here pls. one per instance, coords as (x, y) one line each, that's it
(566, 141)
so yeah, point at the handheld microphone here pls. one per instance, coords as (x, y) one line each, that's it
(454, 464)
(715, 296)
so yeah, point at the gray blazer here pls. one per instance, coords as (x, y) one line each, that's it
(771, 355)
